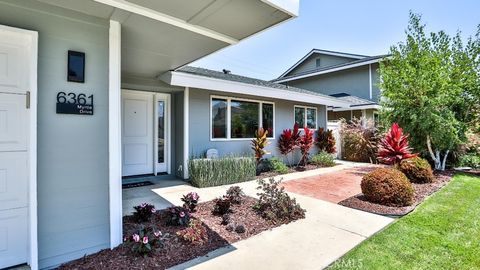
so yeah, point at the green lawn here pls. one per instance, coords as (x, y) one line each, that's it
(442, 233)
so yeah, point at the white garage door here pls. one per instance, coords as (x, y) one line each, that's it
(14, 127)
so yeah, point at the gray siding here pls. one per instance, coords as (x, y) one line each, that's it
(325, 61)
(351, 81)
(73, 214)
(200, 124)
(178, 134)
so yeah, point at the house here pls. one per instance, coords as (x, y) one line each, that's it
(62, 67)
(92, 90)
(350, 77)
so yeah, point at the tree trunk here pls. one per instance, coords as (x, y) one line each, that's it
(435, 156)
(445, 160)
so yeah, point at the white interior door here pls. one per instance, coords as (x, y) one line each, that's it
(15, 49)
(137, 133)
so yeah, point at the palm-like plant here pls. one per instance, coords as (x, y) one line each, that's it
(393, 148)
(259, 143)
(288, 140)
(326, 141)
(305, 143)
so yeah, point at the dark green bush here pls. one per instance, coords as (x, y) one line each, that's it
(278, 166)
(275, 205)
(417, 170)
(469, 160)
(387, 186)
(323, 159)
(222, 171)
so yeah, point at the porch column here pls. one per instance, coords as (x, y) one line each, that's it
(186, 118)
(114, 134)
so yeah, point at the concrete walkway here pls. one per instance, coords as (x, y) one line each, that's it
(328, 231)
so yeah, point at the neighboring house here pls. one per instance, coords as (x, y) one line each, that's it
(351, 77)
(70, 129)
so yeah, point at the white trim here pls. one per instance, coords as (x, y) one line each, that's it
(305, 120)
(186, 132)
(324, 52)
(32, 218)
(370, 80)
(115, 134)
(328, 71)
(290, 7)
(354, 108)
(229, 117)
(153, 14)
(168, 131)
(155, 134)
(196, 81)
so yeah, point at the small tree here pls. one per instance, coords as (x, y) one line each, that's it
(430, 86)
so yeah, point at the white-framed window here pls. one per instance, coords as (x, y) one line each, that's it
(305, 116)
(238, 118)
(317, 62)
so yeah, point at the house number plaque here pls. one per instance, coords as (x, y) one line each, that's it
(72, 103)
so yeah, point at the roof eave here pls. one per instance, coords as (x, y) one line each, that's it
(356, 107)
(178, 78)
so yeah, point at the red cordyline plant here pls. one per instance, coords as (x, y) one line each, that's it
(305, 143)
(326, 141)
(393, 148)
(288, 140)
(259, 143)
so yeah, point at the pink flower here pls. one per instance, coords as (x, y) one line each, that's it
(143, 205)
(136, 237)
(145, 239)
(157, 233)
(182, 214)
(154, 210)
(124, 239)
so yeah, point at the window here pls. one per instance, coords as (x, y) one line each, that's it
(306, 116)
(234, 118)
(317, 62)
(376, 118)
(219, 118)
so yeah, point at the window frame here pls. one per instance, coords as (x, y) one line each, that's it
(306, 115)
(229, 117)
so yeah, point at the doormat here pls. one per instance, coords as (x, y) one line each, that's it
(138, 184)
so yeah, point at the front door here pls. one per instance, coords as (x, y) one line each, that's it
(14, 152)
(137, 133)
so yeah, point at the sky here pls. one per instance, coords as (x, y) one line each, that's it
(367, 27)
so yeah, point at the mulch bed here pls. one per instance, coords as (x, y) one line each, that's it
(175, 250)
(422, 191)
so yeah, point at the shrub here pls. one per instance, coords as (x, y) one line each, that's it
(305, 144)
(417, 169)
(275, 205)
(359, 140)
(145, 241)
(470, 160)
(178, 216)
(240, 228)
(394, 148)
(278, 166)
(326, 141)
(222, 171)
(222, 205)
(195, 233)
(143, 212)
(387, 186)
(323, 159)
(190, 201)
(235, 194)
(225, 219)
(259, 143)
(288, 140)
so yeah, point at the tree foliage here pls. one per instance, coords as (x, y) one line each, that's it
(430, 86)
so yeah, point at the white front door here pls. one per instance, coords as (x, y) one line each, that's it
(14, 152)
(137, 133)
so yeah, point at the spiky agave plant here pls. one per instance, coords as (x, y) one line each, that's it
(259, 143)
(394, 148)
